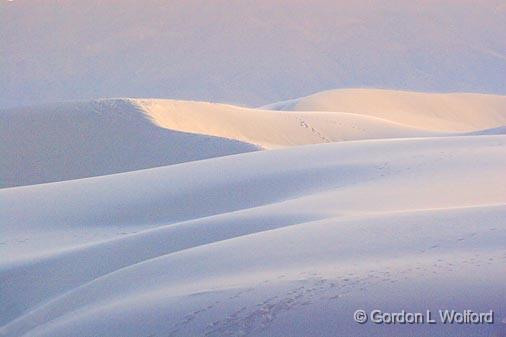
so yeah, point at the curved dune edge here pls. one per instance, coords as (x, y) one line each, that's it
(252, 236)
(451, 112)
(272, 129)
(73, 140)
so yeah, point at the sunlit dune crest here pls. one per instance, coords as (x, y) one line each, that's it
(83, 139)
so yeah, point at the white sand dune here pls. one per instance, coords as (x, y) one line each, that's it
(180, 227)
(272, 129)
(439, 112)
(492, 131)
(288, 242)
(83, 139)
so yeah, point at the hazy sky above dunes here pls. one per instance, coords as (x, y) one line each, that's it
(246, 52)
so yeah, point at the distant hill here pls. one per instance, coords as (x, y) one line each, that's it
(246, 52)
